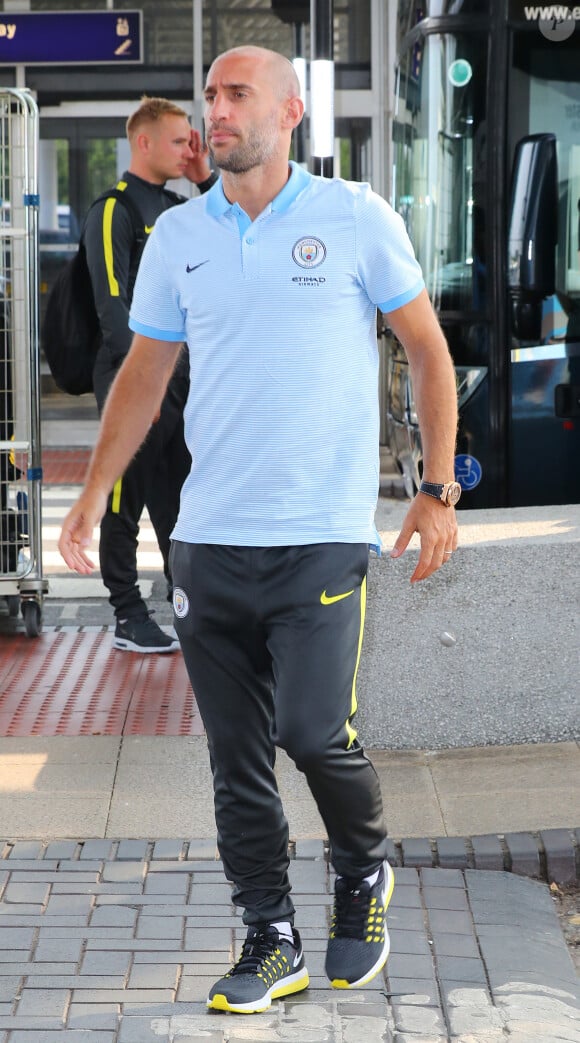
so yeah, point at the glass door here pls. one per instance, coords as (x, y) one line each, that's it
(79, 158)
(544, 112)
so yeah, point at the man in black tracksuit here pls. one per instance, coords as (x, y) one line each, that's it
(163, 146)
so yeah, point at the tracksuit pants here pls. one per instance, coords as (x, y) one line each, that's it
(153, 480)
(271, 639)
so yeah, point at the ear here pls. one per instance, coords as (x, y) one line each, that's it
(142, 142)
(293, 113)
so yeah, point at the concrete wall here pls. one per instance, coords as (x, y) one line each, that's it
(486, 651)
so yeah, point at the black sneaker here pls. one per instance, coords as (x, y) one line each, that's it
(142, 634)
(270, 967)
(358, 944)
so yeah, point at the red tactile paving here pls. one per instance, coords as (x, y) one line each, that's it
(75, 683)
(64, 466)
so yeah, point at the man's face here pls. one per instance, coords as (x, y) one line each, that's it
(169, 147)
(242, 114)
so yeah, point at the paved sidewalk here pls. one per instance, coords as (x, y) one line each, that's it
(118, 942)
(115, 916)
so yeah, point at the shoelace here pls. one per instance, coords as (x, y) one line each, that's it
(351, 907)
(255, 950)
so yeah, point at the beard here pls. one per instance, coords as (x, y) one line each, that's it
(259, 147)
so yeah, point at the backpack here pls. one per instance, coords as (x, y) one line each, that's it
(71, 335)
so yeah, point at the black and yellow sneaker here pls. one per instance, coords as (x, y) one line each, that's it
(270, 967)
(358, 944)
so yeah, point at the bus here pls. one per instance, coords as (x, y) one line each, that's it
(486, 175)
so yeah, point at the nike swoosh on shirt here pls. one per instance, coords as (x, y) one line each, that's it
(149, 229)
(326, 600)
(192, 267)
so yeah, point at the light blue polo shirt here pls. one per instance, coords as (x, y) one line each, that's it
(282, 419)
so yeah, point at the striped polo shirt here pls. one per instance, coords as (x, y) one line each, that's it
(282, 419)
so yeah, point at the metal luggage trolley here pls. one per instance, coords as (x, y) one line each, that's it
(21, 581)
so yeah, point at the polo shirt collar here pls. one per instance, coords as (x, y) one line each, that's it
(217, 204)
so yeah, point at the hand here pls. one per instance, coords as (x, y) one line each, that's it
(198, 168)
(77, 530)
(437, 528)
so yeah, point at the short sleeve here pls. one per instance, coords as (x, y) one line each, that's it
(386, 262)
(155, 310)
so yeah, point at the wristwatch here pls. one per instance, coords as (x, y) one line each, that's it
(448, 493)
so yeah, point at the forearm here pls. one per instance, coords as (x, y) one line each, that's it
(433, 382)
(435, 396)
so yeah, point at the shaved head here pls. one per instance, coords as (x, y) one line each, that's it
(283, 73)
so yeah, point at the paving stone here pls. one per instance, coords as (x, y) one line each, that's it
(447, 921)
(132, 850)
(70, 905)
(202, 849)
(310, 849)
(122, 872)
(26, 849)
(488, 852)
(136, 1029)
(96, 849)
(54, 950)
(18, 893)
(413, 966)
(417, 852)
(439, 877)
(524, 854)
(464, 945)
(59, 849)
(160, 927)
(43, 1003)
(452, 853)
(405, 897)
(105, 963)
(412, 942)
(9, 986)
(166, 884)
(461, 968)
(445, 898)
(414, 991)
(167, 850)
(40, 1035)
(423, 1020)
(113, 916)
(16, 938)
(560, 855)
(92, 1016)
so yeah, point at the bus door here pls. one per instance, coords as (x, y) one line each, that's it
(543, 266)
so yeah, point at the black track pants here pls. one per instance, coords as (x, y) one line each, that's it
(271, 638)
(153, 480)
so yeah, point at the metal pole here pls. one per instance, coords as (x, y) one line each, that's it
(322, 86)
(300, 66)
(198, 64)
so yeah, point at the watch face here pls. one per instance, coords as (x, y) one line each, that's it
(453, 493)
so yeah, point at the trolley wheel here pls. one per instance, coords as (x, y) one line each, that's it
(32, 618)
(13, 602)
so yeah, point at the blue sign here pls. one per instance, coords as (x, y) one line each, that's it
(468, 471)
(71, 38)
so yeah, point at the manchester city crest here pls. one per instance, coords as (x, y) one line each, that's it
(309, 252)
(180, 602)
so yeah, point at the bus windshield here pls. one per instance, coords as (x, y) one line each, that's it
(544, 96)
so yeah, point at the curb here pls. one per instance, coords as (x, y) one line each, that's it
(551, 855)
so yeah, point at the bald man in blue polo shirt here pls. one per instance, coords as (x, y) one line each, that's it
(274, 278)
